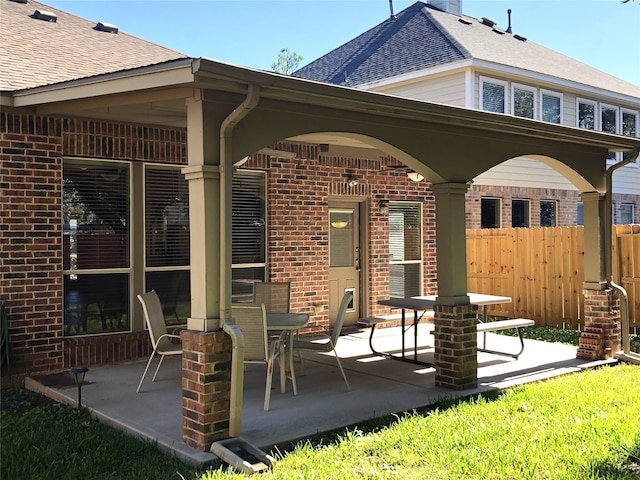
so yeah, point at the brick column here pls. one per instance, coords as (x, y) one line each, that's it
(206, 382)
(456, 346)
(601, 336)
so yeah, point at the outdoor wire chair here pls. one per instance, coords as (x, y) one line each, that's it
(160, 339)
(330, 345)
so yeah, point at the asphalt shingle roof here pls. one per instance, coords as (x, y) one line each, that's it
(35, 52)
(422, 36)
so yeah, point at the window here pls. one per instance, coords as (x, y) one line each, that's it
(524, 101)
(609, 123)
(490, 213)
(249, 233)
(166, 217)
(626, 213)
(551, 107)
(629, 128)
(519, 213)
(405, 249)
(96, 252)
(580, 214)
(494, 95)
(587, 114)
(548, 214)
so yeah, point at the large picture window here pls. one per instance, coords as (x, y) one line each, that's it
(167, 259)
(405, 249)
(96, 239)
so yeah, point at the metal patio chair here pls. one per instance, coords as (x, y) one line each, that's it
(161, 341)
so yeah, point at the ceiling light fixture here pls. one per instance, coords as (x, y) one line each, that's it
(414, 176)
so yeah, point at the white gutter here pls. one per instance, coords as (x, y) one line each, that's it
(226, 173)
(626, 354)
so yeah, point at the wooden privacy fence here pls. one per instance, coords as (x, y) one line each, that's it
(542, 270)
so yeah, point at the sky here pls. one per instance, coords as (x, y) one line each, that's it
(604, 34)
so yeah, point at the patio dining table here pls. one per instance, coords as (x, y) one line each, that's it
(287, 324)
(422, 304)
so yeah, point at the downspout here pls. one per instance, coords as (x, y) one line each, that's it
(626, 354)
(226, 171)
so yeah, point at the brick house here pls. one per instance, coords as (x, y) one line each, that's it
(119, 163)
(432, 51)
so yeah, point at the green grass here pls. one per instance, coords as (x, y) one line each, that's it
(579, 426)
(51, 441)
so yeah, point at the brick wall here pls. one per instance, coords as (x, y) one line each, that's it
(31, 239)
(31, 152)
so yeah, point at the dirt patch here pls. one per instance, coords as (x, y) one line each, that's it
(20, 400)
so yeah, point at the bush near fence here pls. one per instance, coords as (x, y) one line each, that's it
(542, 270)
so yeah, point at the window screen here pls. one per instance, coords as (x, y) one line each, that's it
(523, 102)
(493, 97)
(490, 213)
(548, 214)
(551, 110)
(519, 213)
(405, 249)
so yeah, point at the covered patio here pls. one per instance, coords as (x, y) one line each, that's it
(231, 112)
(378, 387)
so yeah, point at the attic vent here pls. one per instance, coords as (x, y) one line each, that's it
(466, 22)
(44, 15)
(498, 30)
(21, 1)
(518, 37)
(488, 22)
(106, 27)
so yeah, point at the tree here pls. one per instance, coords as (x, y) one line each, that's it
(287, 62)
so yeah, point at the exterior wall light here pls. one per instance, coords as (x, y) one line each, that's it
(383, 206)
(353, 180)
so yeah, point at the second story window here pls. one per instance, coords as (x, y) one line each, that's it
(587, 115)
(550, 107)
(490, 213)
(548, 213)
(524, 101)
(494, 95)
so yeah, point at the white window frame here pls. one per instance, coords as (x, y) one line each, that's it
(500, 207)
(533, 90)
(420, 261)
(596, 114)
(550, 93)
(636, 114)
(616, 109)
(494, 81)
(527, 201)
(632, 212)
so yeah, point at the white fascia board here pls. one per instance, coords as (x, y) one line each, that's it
(176, 73)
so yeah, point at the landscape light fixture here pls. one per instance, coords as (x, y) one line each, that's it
(78, 373)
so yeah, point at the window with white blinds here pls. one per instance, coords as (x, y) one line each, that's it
(551, 108)
(249, 232)
(405, 249)
(96, 237)
(166, 208)
(167, 242)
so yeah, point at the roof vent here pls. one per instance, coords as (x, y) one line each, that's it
(106, 27)
(44, 15)
(465, 21)
(498, 30)
(518, 37)
(21, 1)
(488, 22)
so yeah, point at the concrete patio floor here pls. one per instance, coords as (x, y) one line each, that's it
(379, 387)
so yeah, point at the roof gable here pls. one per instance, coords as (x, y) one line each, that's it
(35, 52)
(396, 46)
